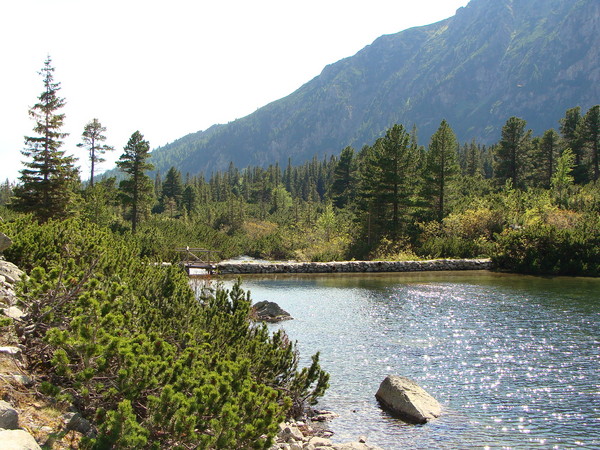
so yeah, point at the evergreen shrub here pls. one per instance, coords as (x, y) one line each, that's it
(134, 349)
(548, 249)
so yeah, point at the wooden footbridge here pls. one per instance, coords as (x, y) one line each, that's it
(198, 258)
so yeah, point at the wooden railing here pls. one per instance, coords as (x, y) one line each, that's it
(198, 258)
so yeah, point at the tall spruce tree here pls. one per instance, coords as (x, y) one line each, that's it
(48, 180)
(189, 198)
(591, 127)
(512, 156)
(546, 152)
(92, 139)
(136, 190)
(172, 187)
(441, 168)
(388, 181)
(172, 190)
(342, 187)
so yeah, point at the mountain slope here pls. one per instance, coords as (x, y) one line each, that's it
(492, 60)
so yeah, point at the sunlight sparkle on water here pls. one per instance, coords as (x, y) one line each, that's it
(502, 353)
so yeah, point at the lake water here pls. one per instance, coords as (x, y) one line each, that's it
(514, 360)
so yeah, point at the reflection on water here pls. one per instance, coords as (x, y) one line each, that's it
(515, 361)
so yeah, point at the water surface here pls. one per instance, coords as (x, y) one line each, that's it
(514, 360)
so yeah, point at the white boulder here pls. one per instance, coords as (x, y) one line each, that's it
(17, 440)
(406, 399)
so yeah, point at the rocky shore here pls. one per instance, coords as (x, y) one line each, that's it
(304, 435)
(16, 423)
(238, 268)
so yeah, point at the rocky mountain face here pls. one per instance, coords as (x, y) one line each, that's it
(492, 60)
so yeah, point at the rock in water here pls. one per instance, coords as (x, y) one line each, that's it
(406, 399)
(270, 312)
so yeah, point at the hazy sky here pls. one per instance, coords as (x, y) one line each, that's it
(169, 68)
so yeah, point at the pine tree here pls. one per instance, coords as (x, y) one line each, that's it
(189, 198)
(342, 188)
(571, 131)
(546, 152)
(441, 168)
(172, 187)
(47, 182)
(93, 138)
(388, 180)
(562, 179)
(138, 188)
(591, 127)
(5, 192)
(473, 161)
(513, 153)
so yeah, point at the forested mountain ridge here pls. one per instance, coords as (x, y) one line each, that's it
(492, 60)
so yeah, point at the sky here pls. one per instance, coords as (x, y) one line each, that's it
(172, 68)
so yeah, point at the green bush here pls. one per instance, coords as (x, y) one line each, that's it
(548, 249)
(134, 348)
(455, 247)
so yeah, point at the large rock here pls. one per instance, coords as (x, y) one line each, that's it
(17, 440)
(270, 312)
(9, 417)
(13, 312)
(6, 295)
(76, 422)
(406, 399)
(5, 242)
(10, 272)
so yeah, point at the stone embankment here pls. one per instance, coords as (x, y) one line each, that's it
(235, 268)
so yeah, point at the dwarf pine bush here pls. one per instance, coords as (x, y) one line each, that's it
(130, 344)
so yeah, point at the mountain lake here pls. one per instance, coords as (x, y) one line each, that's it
(514, 360)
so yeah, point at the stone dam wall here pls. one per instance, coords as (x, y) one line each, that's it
(352, 266)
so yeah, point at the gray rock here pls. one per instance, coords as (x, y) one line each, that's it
(355, 446)
(7, 295)
(22, 379)
(9, 417)
(323, 415)
(12, 351)
(406, 399)
(10, 272)
(17, 440)
(76, 422)
(320, 442)
(5, 242)
(270, 312)
(13, 312)
(292, 433)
